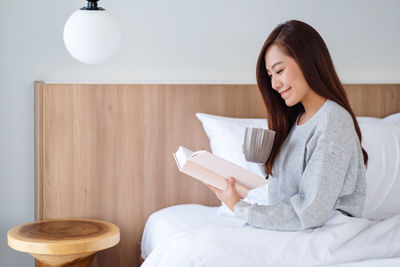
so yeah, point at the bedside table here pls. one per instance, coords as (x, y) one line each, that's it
(64, 242)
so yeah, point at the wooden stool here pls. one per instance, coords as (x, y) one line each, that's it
(66, 242)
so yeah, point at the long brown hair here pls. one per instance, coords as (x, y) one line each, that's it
(303, 43)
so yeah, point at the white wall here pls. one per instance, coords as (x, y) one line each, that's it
(183, 41)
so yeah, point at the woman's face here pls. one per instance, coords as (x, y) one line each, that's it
(286, 77)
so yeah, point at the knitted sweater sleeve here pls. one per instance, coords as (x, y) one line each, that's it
(319, 188)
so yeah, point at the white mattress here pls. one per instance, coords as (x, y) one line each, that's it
(195, 235)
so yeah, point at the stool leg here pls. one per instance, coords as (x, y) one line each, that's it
(81, 262)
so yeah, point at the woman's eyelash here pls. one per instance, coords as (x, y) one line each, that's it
(279, 71)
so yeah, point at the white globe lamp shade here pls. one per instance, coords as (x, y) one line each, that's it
(91, 36)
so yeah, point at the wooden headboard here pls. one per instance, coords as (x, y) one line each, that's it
(104, 151)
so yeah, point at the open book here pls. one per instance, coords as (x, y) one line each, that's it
(213, 170)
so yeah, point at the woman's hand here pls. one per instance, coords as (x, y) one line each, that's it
(229, 196)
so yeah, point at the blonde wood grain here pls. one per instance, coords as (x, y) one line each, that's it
(69, 242)
(108, 148)
(63, 236)
(376, 100)
(71, 260)
(39, 151)
(77, 260)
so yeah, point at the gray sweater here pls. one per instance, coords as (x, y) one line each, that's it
(319, 169)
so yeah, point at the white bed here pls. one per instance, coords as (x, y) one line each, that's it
(196, 235)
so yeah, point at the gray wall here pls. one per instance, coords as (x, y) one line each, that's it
(175, 41)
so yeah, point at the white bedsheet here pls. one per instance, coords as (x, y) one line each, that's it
(392, 262)
(177, 219)
(195, 235)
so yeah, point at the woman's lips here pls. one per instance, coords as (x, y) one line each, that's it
(284, 92)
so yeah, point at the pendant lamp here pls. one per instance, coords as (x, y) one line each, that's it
(91, 34)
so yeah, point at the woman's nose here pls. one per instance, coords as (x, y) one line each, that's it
(276, 83)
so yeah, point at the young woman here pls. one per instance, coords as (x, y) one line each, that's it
(317, 164)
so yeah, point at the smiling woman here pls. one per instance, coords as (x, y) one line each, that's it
(288, 80)
(317, 164)
(310, 71)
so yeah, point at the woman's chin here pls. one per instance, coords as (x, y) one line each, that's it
(289, 103)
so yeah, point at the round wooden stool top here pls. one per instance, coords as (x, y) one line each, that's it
(63, 236)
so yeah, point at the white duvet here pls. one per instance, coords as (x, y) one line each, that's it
(342, 240)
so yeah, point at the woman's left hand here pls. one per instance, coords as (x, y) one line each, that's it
(229, 196)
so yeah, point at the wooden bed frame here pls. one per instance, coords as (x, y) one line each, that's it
(104, 151)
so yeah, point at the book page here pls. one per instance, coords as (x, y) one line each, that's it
(226, 169)
(205, 175)
(181, 156)
(214, 170)
(210, 178)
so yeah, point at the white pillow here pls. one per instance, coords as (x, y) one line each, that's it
(393, 118)
(381, 140)
(226, 138)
